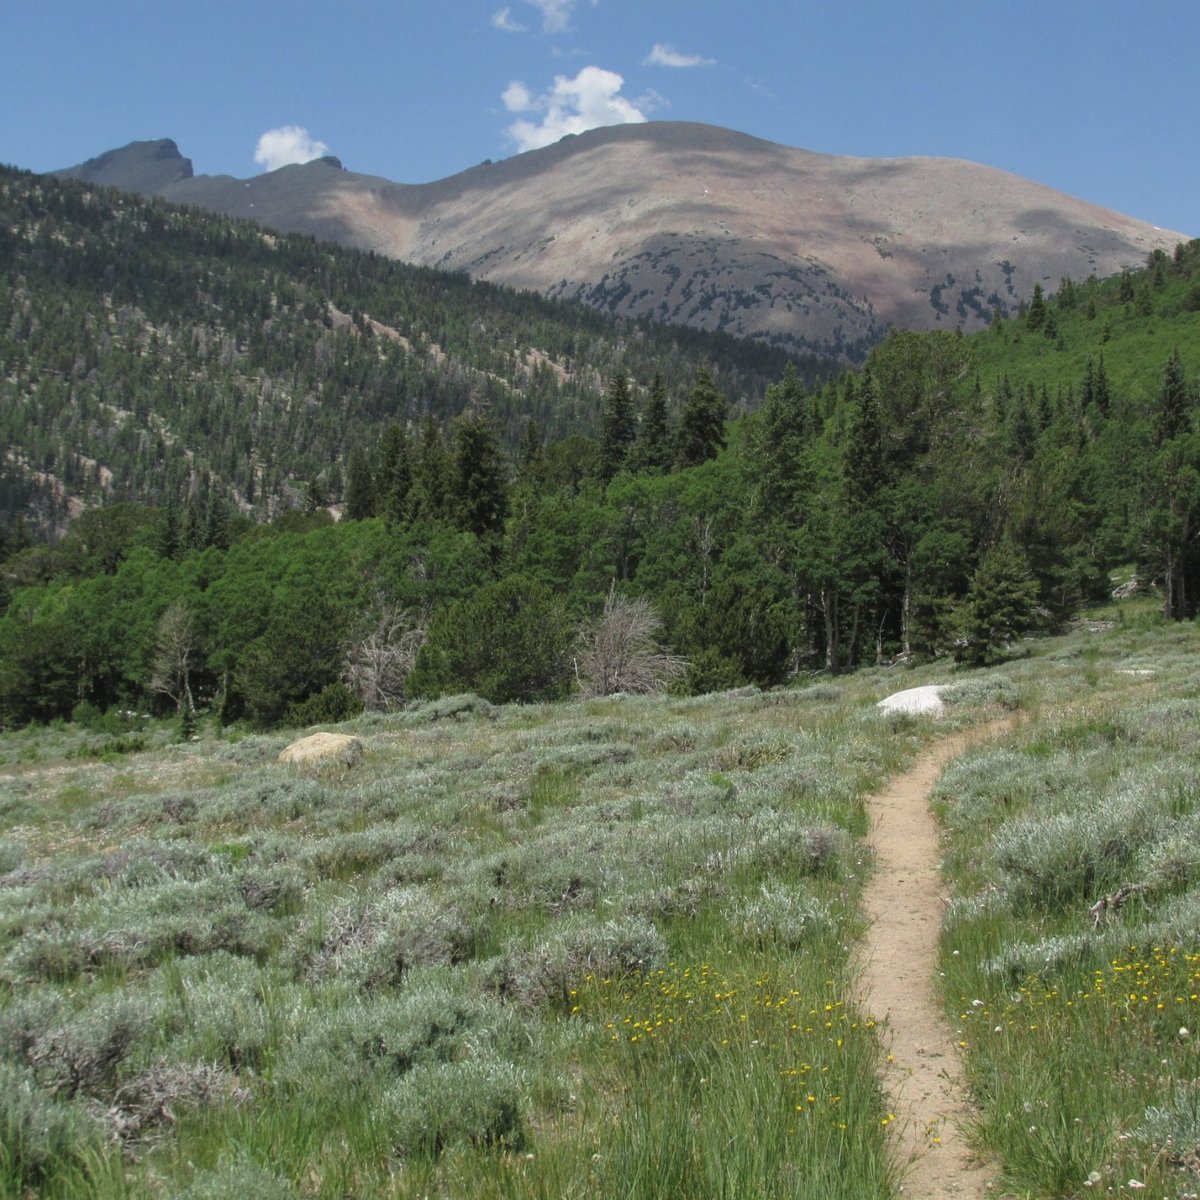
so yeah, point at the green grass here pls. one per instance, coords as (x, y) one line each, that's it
(1078, 1032)
(412, 977)
(603, 949)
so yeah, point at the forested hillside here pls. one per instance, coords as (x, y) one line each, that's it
(152, 353)
(956, 494)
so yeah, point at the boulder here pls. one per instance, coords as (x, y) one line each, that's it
(323, 747)
(926, 699)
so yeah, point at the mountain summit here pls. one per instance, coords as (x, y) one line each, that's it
(145, 167)
(703, 226)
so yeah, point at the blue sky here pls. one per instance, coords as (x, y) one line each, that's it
(1097, 98)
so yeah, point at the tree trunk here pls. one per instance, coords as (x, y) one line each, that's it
(829, 606)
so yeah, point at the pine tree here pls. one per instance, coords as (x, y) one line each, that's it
(1171, 415)
(431, 474)
(1001, 604)
(652, 448)
(360, 487)
(167, 535)
(617, 427)
(863, 456)
(532, 455)
(702, 422)
(480, 493)
(1035, 317)
(217, 516)
(780, 453)
(315, 496)
(1101, 395)
(394, 474)
(1022, 433)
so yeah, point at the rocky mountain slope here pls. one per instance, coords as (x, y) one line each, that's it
(699, 226)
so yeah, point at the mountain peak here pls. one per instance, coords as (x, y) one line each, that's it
(697, 225)
(145, 167)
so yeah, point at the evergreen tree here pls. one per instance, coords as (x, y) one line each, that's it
(617, 427)
(315, 496)
(167, 535)
(652, 448)
(480, 492)
(863, 454)
(533, 450)
(1035, 316)
(1000, 605)
(1172, 511)
(1102, 397)
(394, 474)
(1171, 413)
(1022, 432)
(431, 474)
(217, 520)
(360, 487)
(702, 422)
(510, 641)
(779, 450)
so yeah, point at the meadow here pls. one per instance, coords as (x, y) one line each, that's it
(601, 948)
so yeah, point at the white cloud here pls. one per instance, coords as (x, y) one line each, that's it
(287, 144)
(517, 97)
(667, 56)
(588, 101)
(556, 14)
(504, 20)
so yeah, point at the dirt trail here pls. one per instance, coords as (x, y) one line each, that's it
(898, 965)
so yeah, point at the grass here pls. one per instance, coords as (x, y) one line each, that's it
(1077, 1022)
(603, 948)
(221, 975)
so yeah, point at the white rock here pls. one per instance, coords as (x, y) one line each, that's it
(926, 699)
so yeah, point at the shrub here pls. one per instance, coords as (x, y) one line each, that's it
(334, 702)
(430, 1022)
(781, 917)
(449, 708)
(545, 974)
(137, 927)
(238, 1179)
(510, 641)
(37, 1132)
(434, 1107)
(1172, 1130)
(230, 1010)
(977, 693)
(777, 841)
(373, 943)
(1075, 854)
(156, 1096)
(12, 855)
(84, 1055)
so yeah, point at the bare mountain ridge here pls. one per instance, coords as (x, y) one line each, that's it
(700, 226)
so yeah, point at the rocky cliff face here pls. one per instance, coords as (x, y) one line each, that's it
(704, 227)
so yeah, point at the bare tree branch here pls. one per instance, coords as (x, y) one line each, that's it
(377, 664)
(620, 652)
(174, 643)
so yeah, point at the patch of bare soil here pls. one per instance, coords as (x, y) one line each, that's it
(898, 963)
